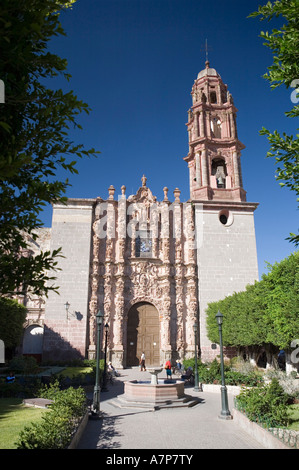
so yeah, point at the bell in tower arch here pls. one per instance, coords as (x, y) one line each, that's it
(219, 171)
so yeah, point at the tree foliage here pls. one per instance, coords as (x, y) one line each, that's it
(12, 318)
(284, 43)
(265, 313)
(282, 301)
(34, 144)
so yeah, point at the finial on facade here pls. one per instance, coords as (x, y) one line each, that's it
(165, 193)
(177, 193)
(143, 179)
(123, 190)
(111, 191)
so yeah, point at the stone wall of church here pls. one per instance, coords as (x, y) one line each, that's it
(65, 331)
(34, 326)
(226, 257)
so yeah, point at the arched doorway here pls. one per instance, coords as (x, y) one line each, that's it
(143, 334)
(33, 341)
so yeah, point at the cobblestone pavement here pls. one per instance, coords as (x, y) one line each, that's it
(197, 427)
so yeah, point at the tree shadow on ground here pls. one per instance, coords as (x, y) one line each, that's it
(102, 433)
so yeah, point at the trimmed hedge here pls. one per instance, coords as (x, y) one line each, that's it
(264, 315)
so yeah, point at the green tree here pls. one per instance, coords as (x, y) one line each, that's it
(243, 322)
(265, 314)
(284, 43)
(282, 301)
(12, 318)
(34, 144)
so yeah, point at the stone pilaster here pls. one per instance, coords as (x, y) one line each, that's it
(118, 320)
(191, 276)
(93, 304)
(236, 169)
(197, 170)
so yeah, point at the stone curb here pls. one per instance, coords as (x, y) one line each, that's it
(216, 388)
(78, 434)
(262, 435)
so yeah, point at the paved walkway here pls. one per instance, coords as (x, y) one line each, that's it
(197, 427)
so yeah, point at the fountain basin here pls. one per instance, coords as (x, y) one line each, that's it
(145, 391)
(163, 394)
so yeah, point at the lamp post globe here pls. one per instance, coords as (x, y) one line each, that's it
(219, 318)
(67, 307)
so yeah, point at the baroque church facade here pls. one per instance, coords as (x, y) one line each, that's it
(152, 266)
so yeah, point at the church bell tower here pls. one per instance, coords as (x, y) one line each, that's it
(224, 221)
(214, 147)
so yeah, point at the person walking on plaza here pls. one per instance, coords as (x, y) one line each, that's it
(142, 363)
(168, 369)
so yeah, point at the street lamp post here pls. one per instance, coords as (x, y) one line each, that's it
(96, 392)
(197, 388)
(225, 413)
(104, 387)
(67, 307)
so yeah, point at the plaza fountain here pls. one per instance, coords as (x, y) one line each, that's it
(156, 393)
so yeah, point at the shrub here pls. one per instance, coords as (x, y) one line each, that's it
(288, 382)
(10, 390)
(54, 432)
(237, 378)
(59, 423)
(24, 365)
(21, 388)
(265, 404)
(71, 398)
(211, 373)
(245, 367)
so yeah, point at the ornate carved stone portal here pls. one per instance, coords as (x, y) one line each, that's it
(143, 253)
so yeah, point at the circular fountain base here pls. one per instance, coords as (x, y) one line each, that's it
(163, 394)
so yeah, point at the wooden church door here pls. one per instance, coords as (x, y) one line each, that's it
(143, 335)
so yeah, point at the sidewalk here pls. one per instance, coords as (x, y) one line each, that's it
(197, 427)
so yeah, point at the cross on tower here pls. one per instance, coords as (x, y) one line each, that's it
(206, 49)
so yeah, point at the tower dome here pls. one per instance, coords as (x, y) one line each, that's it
(208, 71)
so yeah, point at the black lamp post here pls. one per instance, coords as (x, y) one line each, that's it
(225, 413)
(197, 388)
(104, 387)
(96, 392)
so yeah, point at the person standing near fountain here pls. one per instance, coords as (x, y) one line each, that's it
(168, 369)
(142, 363)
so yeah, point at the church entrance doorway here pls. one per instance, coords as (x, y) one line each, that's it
(143, 334)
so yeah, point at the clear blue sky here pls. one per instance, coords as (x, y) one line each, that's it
(134, 62)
